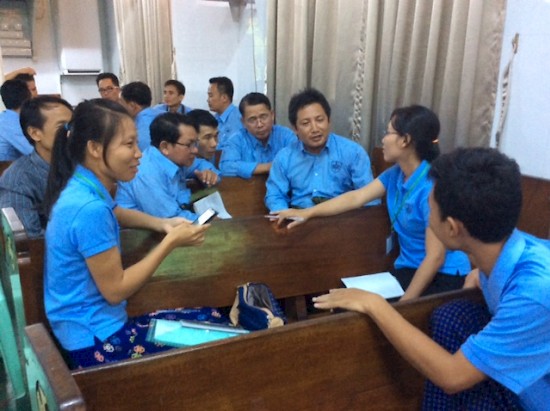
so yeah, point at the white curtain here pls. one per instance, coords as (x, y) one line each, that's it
(371, 56)
(144, 35)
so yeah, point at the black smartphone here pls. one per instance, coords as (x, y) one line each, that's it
(206, 217)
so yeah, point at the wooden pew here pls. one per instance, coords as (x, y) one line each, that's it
(309, 259)
(241, 197)
(535, 210)
(336, 362)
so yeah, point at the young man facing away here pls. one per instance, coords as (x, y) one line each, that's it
(108, 86)
(13, 143)
(173, 95)
(479, 359)
(319, 165)
(23, 184)
(251, 150)
(220, 101)
(136, 98)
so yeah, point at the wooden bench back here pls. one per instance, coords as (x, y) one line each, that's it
(309, 259)
(341, 361)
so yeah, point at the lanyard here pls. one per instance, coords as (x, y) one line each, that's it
(414, 184)
(89, 183)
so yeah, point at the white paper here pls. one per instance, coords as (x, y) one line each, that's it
(383, 284)
(214, 201)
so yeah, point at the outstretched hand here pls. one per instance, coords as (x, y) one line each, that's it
(351, 299)
(187, 234)
(296, 217)
(207, 177)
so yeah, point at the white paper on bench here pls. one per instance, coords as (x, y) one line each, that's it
(214, 201)
(384, 284)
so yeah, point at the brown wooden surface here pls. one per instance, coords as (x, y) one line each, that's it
(308, 259)
(535, 211)
(66, 393)
(337, 362)
(244, 197)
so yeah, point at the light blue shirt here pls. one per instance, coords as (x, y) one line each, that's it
(200, 164)
(297, 176)
(82, 224)
(243, 152)
(229, 122)
(13, 143)
(514, 347)
(409, 211)
(158, 189)
(143, 123)
(166, 108)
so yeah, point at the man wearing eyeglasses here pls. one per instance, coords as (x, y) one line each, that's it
(251, 150)
(108, 86)
(159, 187)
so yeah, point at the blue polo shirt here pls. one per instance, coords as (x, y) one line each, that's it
(82, 224)
(243, 152)
(297, 176)
(13, 143)
(158, 189)
(514, 347)
(409, 212)
(143, 123)
(165, 108)
(229, 122)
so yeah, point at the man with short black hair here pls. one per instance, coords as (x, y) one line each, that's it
(23, 184)
(13, 143)
(220, 99)
(173, 95)
(108, 86)
(493, 356)
(251, 150)
(29, 80)
(317, 166)
(136, 98)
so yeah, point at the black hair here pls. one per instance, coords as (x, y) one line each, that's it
(202, 118)
(137, 92)
(166, 128)
(93, 120)
(480, 187)
(305, 98)
(112, 76)
(26, 77)
(224, 85)
(177, 84)
(422, 125)
(32, 114)
(254, 99)
(14, 93)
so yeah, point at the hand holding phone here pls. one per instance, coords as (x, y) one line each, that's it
(206, 217)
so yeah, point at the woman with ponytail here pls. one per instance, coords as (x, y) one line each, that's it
(423, 265)
(85, 285)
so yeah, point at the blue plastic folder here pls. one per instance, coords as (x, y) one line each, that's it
(189, 333)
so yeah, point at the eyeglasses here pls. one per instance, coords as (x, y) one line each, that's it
(106, 89)
(191, 145)
(254, 120)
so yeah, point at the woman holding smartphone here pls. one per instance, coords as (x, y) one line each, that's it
(85, 285)
(411, 142)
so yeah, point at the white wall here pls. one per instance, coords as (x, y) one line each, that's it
(211, 42)
(526, 136)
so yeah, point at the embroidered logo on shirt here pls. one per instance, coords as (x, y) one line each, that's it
(335, 166)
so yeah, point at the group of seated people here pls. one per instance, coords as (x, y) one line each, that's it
(445, 212)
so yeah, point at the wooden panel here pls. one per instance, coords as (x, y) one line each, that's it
(535, 210)
(310, 258)
(337, 362)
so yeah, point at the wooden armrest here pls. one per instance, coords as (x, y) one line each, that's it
(49, 377)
